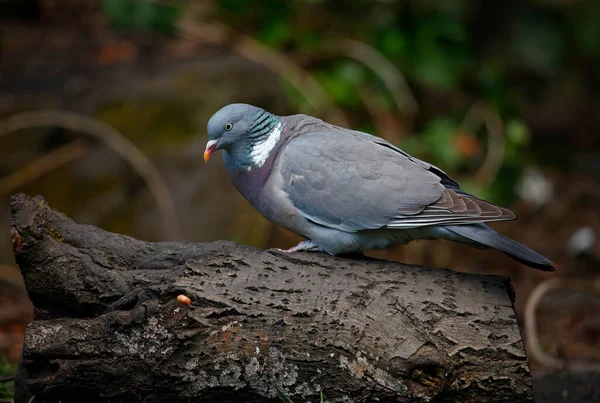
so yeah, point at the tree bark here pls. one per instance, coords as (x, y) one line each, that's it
(261, 325)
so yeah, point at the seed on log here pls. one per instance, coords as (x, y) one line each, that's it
(184, 299)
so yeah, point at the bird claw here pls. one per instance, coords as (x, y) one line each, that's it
(308, 246)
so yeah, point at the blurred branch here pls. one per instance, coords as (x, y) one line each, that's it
(251, 49)
(389, 74)
(42, 166)
(7, 378)
(531, 334)
(481, 114)
(114, 140)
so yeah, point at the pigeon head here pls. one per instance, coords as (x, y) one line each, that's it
(245, 132)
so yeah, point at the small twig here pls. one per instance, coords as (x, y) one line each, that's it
(7, 378)
(114, 140)
(253, 50)
(531, 335)
(43, 165)
(481, 114)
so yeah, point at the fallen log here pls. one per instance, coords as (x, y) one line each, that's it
(261, 326)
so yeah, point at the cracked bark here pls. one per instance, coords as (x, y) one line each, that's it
(108, 327)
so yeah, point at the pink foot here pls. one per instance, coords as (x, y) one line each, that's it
(302, 246)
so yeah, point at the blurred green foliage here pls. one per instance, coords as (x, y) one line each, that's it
(452, 54)
(146, 15)
(6, 369)
(151, 120)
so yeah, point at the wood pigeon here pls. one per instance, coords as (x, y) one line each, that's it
(347, 191)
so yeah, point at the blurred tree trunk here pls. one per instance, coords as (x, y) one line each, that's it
(261, 325)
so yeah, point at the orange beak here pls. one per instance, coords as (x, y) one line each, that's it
(210, 149)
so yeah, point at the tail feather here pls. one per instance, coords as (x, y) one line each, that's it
(486, 236)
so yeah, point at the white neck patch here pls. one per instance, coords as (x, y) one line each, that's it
(261, 150)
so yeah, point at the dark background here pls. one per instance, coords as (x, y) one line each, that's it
(501, 95)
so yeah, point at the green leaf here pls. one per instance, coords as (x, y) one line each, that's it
(118, 12)
(393, 43)
(342, 82)
(441, 52)
(142, 15)
(517, 132)
(276, 33)
(6, 368)
(438, 136)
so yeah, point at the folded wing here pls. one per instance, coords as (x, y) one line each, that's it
(349, 181)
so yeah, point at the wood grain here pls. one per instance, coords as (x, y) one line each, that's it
(108, 325)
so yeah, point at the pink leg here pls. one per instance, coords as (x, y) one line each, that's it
(302, 246)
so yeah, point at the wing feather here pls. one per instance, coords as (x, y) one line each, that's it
(345, 180)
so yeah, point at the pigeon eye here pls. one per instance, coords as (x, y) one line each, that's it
(228, 126)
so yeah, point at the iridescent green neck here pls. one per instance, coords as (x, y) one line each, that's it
(264, 135)
(258, 144)
(264, 123)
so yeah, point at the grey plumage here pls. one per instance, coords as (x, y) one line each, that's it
(347, 191)
(484, 235)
